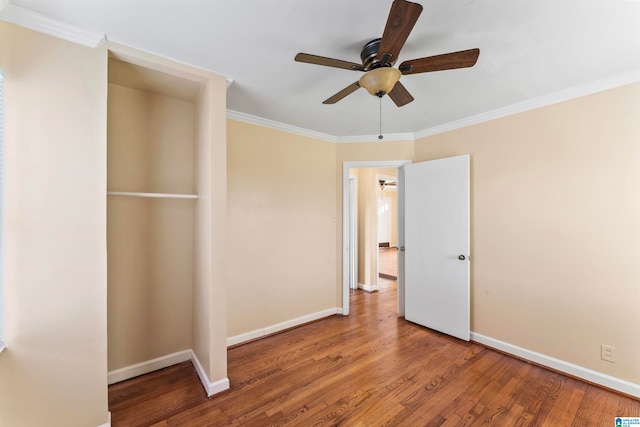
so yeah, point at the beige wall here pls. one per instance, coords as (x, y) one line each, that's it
(54, 371)
(555, 227)
(212, 231)
(150, 241)
(367, 230)
(281, 221)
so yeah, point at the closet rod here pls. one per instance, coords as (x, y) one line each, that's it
(155, 195)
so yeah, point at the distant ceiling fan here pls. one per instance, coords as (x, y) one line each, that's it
(379, 55)
(385, 183)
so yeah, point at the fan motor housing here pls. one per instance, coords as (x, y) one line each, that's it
(369, 55)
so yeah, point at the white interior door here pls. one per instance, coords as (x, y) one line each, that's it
(436, 242)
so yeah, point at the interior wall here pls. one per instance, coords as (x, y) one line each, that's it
(150, 241)
(281, 222)
(54, 370)
(212, 181)
(367, 228)
(555, 227)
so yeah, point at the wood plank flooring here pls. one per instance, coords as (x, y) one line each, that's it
(388, 263)
(368, 369)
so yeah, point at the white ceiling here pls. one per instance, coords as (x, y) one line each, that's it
(528, 49)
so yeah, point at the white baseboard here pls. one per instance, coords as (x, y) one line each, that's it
(142, 368)
(210, 387)
(595, 377)
(367, 288)
(259, 333)
(148, 366)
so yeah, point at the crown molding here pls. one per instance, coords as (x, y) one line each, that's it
(632, 76)
(47, 25)
(373, 138)
(255, 120)
(623, 79)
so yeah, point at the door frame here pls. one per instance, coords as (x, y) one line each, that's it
(353, 232)
(346, 259)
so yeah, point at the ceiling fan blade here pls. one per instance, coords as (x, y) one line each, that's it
(344, 92)
(329, 62)
(447, 61)
(402, 17)
(400, 95)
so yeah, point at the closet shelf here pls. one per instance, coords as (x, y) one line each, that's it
(153, 195)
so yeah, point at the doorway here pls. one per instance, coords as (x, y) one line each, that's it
(387, 183)
(348, 265)
(441, 302)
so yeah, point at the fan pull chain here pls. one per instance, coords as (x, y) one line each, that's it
(380, 136)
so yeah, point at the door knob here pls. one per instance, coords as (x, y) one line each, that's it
(461, 258)
(401, 248)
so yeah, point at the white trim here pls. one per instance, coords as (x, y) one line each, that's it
(560, 365)
(539, 102)
(400, 212)
(353, 232)
(272, 124)
(152, 365)
(367, 288)
(152, 195)
(408, 136)
(3, 317)
(210, 388)
(47, 25)
(259, 333)
(629, 77)
(142, 368)
(53, 27)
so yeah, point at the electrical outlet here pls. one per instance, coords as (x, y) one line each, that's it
(608, 353)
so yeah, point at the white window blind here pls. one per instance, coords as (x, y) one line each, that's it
(2, 222)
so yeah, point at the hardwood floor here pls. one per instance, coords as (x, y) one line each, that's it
(367, 369)
(388, 263)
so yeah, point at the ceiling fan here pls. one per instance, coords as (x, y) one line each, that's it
(386, 183)
(379, 55)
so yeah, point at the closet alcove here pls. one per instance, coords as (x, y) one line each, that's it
(159, 218)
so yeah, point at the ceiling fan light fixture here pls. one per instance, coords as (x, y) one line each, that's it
(380, 81)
